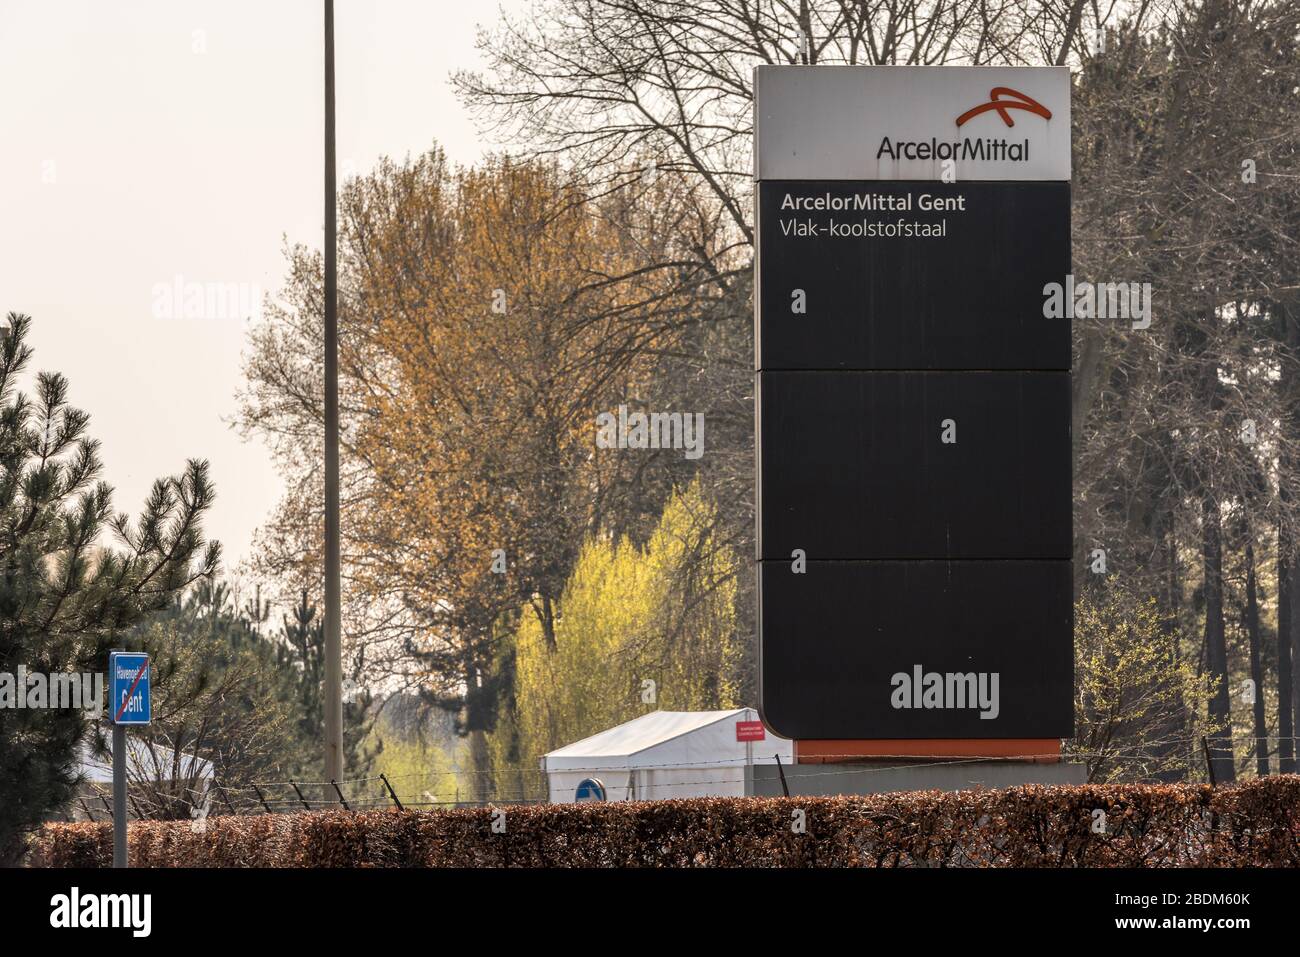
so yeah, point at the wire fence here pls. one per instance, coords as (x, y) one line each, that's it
(469, 788)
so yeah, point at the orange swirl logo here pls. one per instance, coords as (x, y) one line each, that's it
(1015, 101)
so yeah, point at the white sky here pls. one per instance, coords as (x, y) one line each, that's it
(168, 162)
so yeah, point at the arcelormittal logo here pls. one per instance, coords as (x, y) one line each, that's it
(1016, 101)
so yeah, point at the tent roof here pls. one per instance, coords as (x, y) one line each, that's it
(140, 761)
(663, 739)
(641, 733)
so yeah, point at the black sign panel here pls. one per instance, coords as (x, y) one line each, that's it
(919, 649)
(911, 275)
(913, 449)
(914, 465)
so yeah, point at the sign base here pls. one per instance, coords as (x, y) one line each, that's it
(1027, 750)
(888, 775)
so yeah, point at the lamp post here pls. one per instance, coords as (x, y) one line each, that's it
(333, 690)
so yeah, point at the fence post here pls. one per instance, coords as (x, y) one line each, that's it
(785, 788)
(391, 793)
(339, 792)
(261, 797)
(225, 797)
(299, 793)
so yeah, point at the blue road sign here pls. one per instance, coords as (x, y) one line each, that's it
(589, 790)
(128, 682)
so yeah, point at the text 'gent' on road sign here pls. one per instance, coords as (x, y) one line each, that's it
(130, 688)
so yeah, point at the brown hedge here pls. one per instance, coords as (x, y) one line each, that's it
(1250, 825)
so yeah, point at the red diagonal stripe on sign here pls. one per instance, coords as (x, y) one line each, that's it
(134, 684)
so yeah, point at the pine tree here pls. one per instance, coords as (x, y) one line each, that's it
(302, 648)
(304, 645)
(67, 596)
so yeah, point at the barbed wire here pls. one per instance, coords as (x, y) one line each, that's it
(376, 791)
(740, 761)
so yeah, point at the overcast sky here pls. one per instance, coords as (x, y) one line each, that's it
(146, 140)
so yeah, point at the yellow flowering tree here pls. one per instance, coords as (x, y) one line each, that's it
(641, 629)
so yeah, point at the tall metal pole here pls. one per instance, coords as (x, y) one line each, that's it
(333, 690)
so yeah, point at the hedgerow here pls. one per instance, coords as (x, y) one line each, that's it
(1250, 825)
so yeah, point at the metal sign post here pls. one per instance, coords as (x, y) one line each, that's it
(130, 702)
(119, 795)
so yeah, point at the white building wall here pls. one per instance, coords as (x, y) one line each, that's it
(564, 784)
(661, 784)
(652, 784)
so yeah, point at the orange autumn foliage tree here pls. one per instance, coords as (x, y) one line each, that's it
(502, 335)
(487, 317)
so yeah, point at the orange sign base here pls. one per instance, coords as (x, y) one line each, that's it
(1031, 750)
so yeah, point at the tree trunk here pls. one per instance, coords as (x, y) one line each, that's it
(1293, 630)
(1289, 640)
(1216, 648)
(1174, 584)
(1171, 732)
(480, 766)
(1256, 668)
(1285, 745)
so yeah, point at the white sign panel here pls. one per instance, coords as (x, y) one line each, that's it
(912, 123)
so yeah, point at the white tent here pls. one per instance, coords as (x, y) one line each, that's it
(665, 754)
(146, 761)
